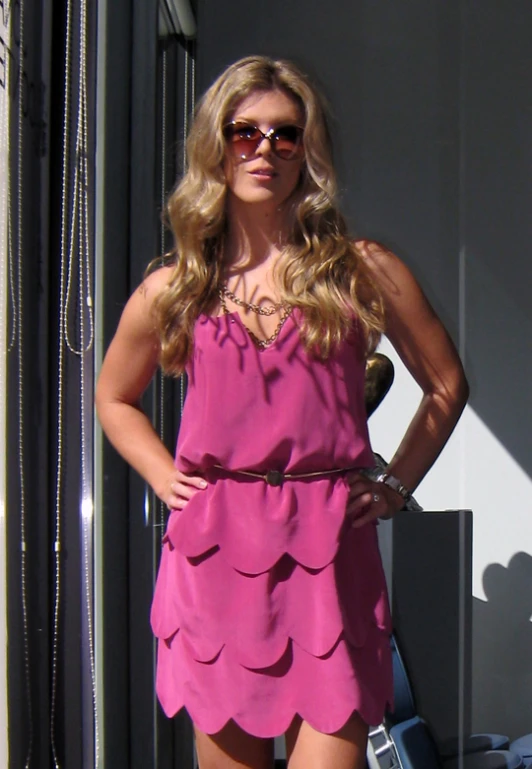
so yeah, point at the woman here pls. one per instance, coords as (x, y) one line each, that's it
(270, 605)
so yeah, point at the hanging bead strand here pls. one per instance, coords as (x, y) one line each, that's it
(60, 383)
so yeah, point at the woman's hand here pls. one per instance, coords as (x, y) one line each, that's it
(369, 500)
(179, 489)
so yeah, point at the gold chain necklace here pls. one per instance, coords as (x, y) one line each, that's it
(224, 291)
(262, 344)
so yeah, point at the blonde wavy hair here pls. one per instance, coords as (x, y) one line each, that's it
(321, 272)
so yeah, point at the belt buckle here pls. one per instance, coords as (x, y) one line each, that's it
(274, 478)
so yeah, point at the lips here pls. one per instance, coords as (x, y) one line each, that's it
(264, 173)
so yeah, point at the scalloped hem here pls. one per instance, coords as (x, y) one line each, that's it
(242, 723)
(213, 605)
(323, 691)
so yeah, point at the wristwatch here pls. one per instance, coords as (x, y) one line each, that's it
(394, 483)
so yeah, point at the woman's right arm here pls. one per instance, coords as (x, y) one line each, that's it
(128, 367)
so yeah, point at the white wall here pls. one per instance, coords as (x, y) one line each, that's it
(475, 471)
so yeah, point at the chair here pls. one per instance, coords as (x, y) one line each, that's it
(406, 741)
(523, 746)
(475, 743)
(491, 759)
(403, 734)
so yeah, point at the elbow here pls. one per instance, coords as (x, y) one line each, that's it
(457, 394)
(451, 394)
(103, 399)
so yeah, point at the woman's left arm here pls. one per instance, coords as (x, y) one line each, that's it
(429, 354)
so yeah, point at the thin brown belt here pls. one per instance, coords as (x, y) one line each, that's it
(277, 477)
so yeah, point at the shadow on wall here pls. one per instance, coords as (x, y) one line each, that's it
(502, 647)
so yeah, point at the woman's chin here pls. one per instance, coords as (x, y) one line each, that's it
(257, 197)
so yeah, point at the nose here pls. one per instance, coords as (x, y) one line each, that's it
(265, 147)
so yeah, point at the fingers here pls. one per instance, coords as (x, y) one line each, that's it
(360, 498)
(362, 520)
(367, 501)
(182, 488)
(361, 514)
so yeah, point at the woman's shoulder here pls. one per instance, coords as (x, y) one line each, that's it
(374, 254)
(137, 315)
(389, 272)
(155, 282)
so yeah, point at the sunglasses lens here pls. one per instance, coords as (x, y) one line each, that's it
(287, 141)
(243, 138)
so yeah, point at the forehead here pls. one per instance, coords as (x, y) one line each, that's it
(271, 107)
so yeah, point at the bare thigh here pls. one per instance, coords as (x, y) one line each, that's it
(233, 748)
(308, 749)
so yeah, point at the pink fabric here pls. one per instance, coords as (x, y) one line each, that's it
(266, 603)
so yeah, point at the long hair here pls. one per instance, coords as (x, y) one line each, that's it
(321, 272)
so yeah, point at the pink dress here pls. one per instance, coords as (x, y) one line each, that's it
(267, 604)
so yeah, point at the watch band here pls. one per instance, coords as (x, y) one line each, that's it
(394, 483)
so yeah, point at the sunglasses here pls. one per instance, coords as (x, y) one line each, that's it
(245, 138)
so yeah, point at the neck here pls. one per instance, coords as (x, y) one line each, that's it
(255, 234)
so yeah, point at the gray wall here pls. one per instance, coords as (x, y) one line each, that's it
(497, 184)
(391, 73)
(431, 114)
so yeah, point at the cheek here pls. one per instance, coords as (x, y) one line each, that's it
(229, 171)
(294, 177)
(234, 173)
